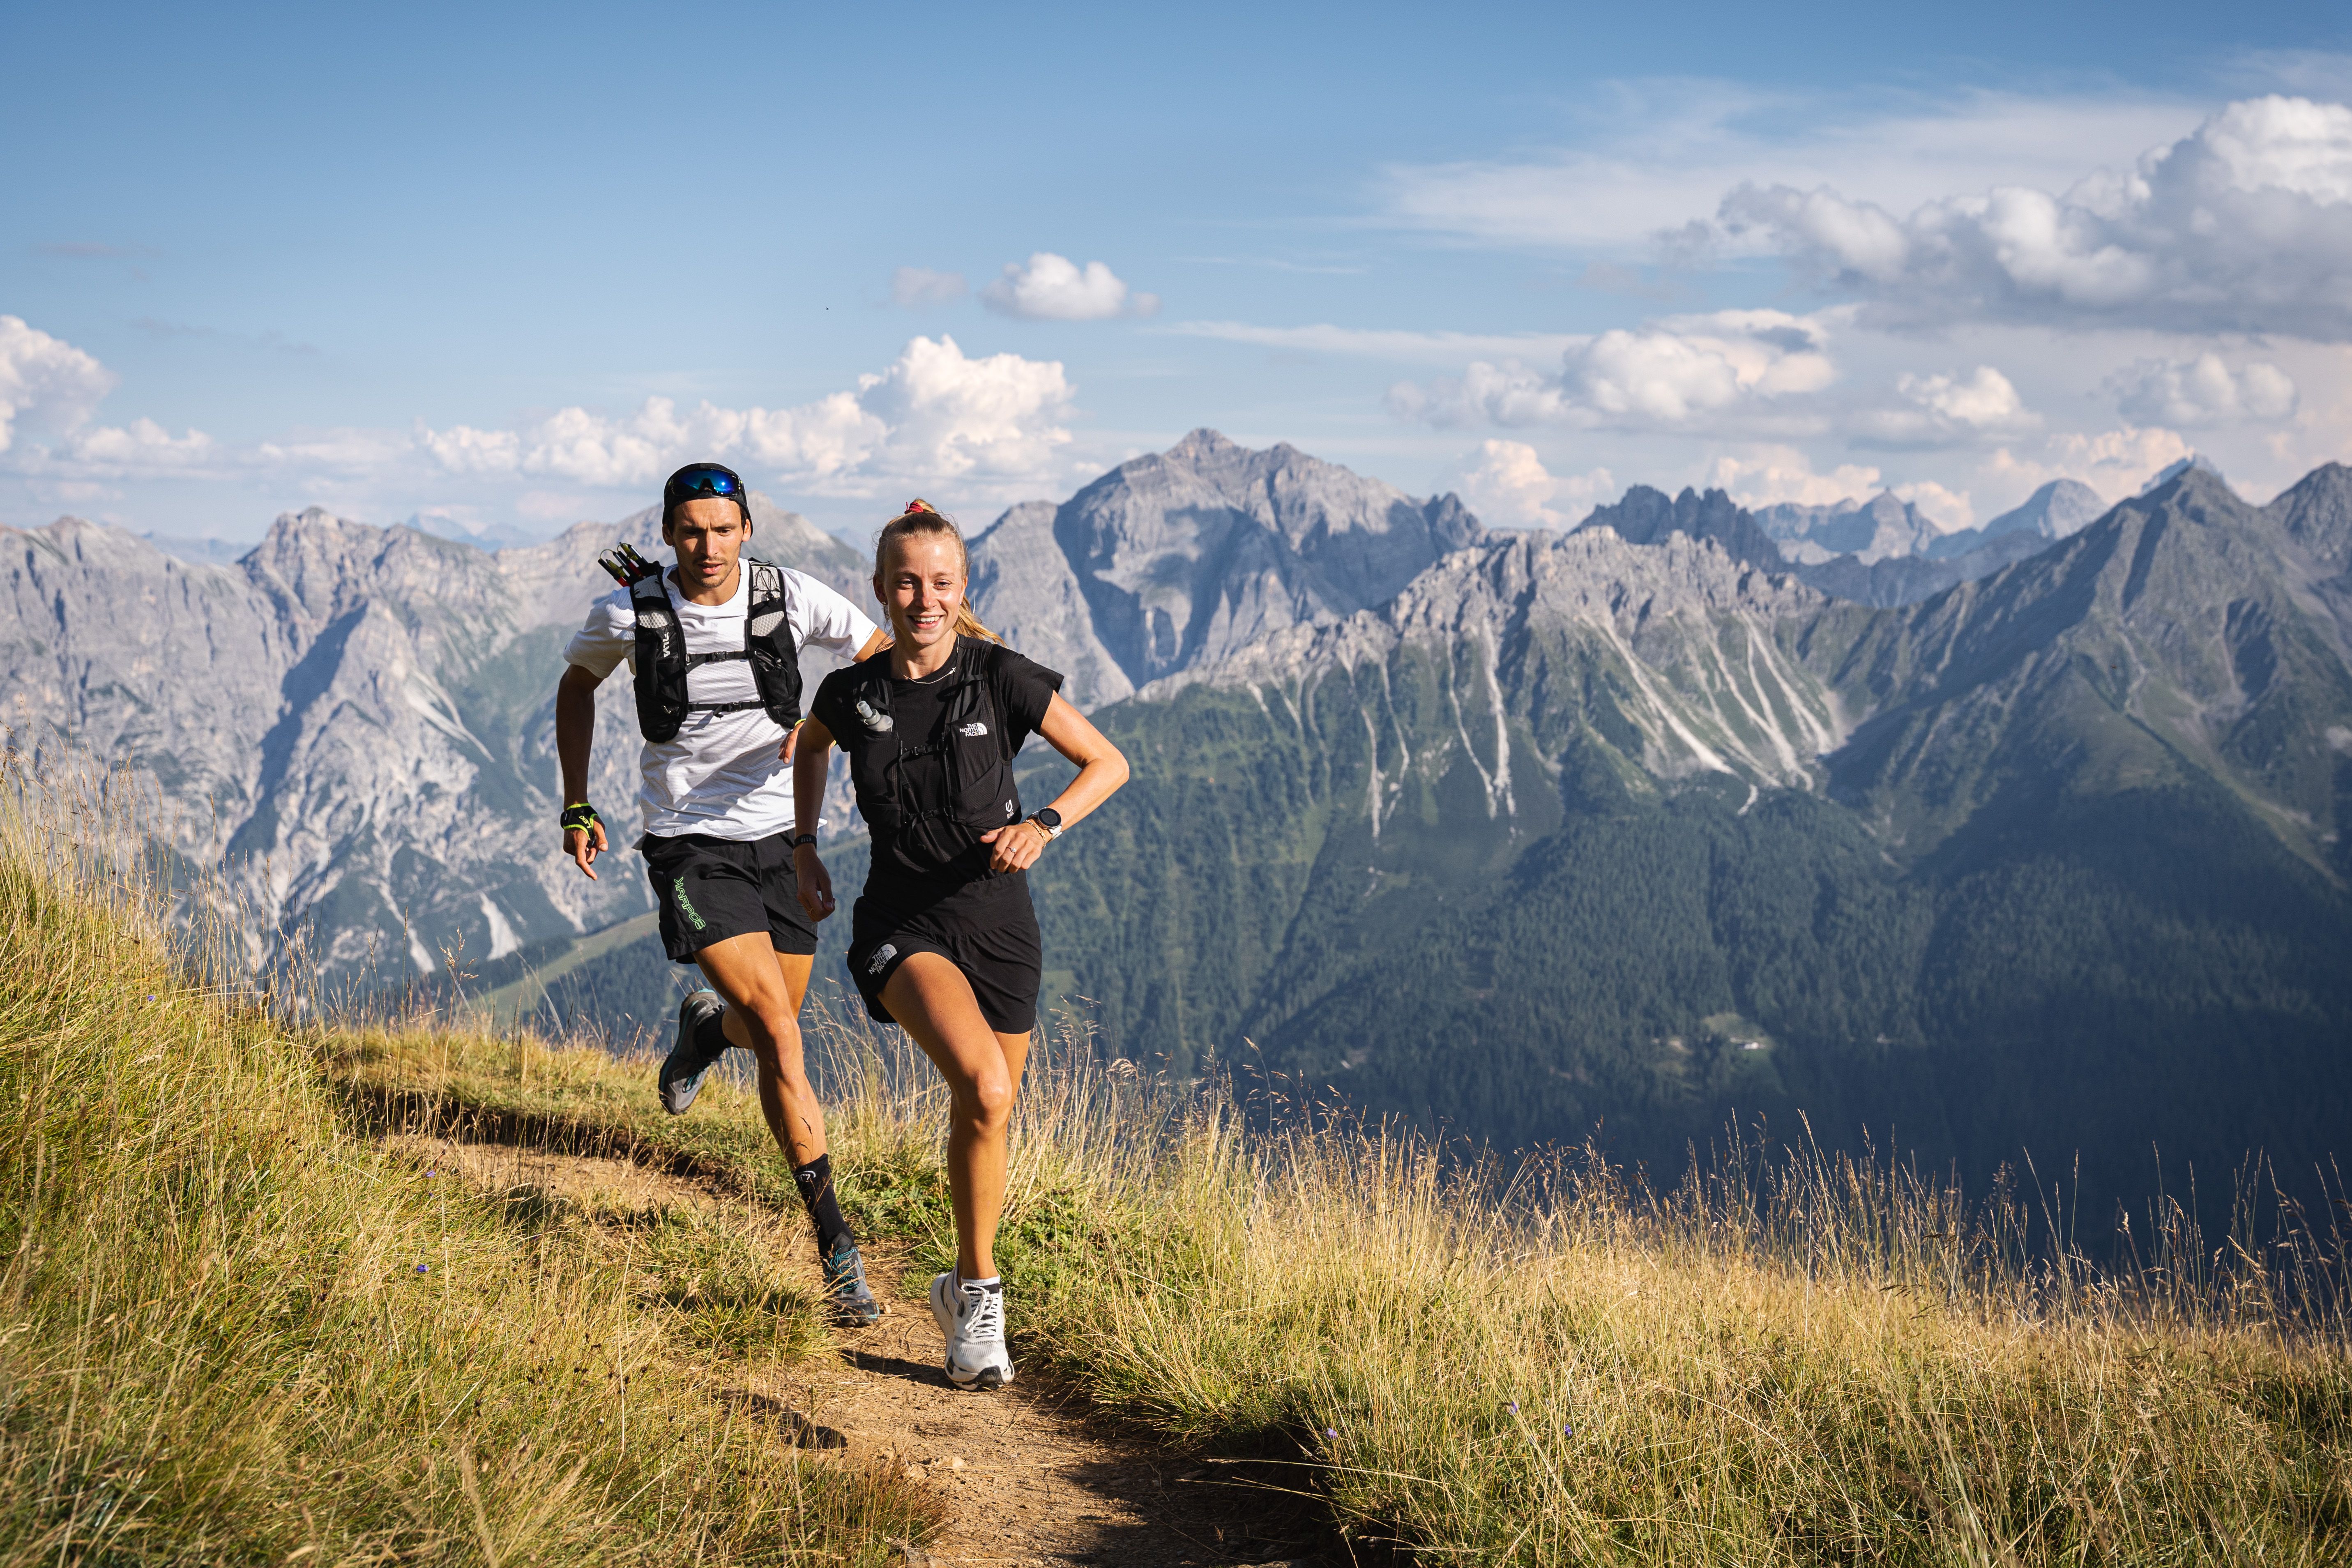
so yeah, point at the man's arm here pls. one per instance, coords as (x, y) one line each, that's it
(808, 795)
(575, 738)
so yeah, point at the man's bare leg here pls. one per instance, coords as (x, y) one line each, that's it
(763, 989)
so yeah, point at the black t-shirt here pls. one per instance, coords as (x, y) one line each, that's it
(938, 853)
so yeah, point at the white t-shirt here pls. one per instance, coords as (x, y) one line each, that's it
(720, 776)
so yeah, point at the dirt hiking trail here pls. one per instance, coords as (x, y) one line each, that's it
(1025, 1476)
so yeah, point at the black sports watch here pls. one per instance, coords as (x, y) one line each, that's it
(1046, 817)
(800, 838)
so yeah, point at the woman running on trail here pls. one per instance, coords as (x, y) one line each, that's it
(715, 642)
(944, 942)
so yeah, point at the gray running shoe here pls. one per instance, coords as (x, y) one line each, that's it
(844, 1287)
(687, 1064)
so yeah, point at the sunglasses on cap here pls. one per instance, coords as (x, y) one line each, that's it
(699, 479)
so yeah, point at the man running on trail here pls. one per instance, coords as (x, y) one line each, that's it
(715, 644)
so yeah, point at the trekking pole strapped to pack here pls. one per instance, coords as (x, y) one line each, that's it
(627, 567)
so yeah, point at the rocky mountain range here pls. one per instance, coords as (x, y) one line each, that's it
(1190, 555)
(1880, 552)
(1515, 833)
(1581, 831)
(356, 724)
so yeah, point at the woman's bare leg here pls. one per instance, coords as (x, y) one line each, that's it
(933, 1003)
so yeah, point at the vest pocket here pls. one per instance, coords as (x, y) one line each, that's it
(985, 798)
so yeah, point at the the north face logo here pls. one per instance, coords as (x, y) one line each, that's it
(1009, 809)
(974, 728)
(882, 957)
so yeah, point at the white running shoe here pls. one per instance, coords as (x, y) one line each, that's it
(972, 1320)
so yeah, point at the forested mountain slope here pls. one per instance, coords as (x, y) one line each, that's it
(1548, 843)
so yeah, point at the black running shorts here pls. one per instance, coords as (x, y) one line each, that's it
(988, 929)
(712, 889)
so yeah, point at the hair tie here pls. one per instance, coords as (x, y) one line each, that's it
(918, 504)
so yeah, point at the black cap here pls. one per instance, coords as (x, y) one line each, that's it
(698, 482)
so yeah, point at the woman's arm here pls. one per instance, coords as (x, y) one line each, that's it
(812, 749)
(1102, 768)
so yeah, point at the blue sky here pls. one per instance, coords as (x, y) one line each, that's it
(426, 261)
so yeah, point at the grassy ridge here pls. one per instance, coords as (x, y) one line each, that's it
(233, 1331)
(234, 1327)
(1795, 1360)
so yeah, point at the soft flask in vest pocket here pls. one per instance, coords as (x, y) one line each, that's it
(970, 739)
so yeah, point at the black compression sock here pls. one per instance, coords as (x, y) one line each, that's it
(815, 1182)
(711, 1036)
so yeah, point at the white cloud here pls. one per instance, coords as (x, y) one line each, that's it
(1765, 475)
(1946, 411)
(933, 414)
(141, 449)
(1658, 153)
(1505, 484)
(49, 385)
(2113, 462)
(348, 451)
(2201, 391)
(2245, 224)
(915, 286)
(1950, 511)
(46, 381)
(946, 416)
(1399, 345)
(1051, 287)
(1674, 374)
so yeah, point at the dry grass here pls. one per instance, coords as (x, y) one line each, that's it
(216, 1344)
(233, 1329)
(1795, 1360)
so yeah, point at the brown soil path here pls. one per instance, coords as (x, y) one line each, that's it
(1025, 1476)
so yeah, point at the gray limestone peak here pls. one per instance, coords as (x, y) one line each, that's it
(1880, 529)
(1191, 553)
(1029, 595)
(1645, 516)
(2059, 509)
(1697, 653)
(1501, 586)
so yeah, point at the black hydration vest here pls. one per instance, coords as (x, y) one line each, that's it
(663, 662)
(981, 792)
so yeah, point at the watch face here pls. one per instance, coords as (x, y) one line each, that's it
(1049, 816)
